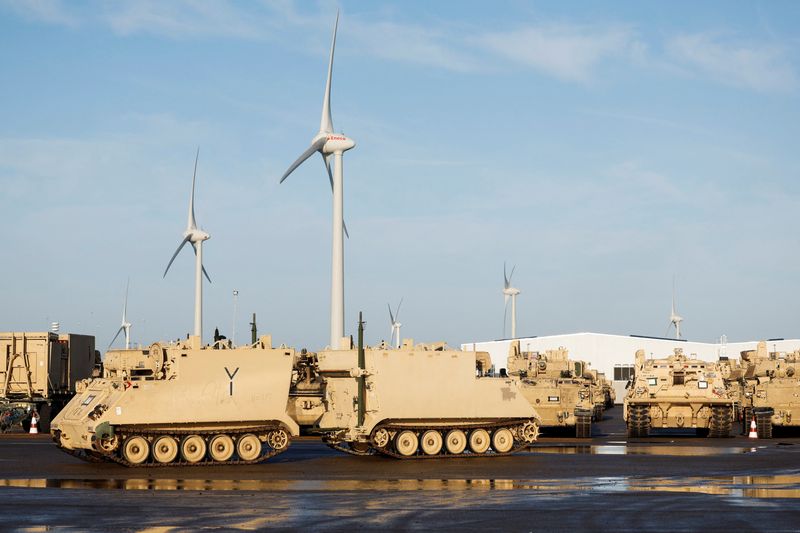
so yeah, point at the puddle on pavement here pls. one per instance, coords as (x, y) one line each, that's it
(768, 486)
(604, 449)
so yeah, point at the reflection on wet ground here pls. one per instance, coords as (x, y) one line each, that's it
(609, 449)
(766, 486)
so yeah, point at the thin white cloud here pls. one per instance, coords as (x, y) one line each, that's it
(47, 11)
(184, 18)
(763, 67)
(568, 52)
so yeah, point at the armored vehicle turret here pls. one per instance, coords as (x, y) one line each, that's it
(420, 401)
(182, 404)
(770, 389)
(555, 386)
(677, 392)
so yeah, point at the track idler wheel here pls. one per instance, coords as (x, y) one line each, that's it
(279, 439)
(380, 438)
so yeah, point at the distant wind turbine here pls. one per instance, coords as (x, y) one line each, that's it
(510, 292)
(674, 318)
(195, 237)
(394, 319)
(126, 326)
(332, 145)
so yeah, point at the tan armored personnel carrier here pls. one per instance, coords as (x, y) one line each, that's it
(598, 392)
(38, 374)
(677, 392)
(420, 401)
(609, 395)
(555, 386)
(770, 389)
(182, 404)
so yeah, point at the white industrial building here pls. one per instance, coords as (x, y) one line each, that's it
(614, 354)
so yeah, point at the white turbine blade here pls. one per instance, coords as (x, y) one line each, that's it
(181, 245)
(391, 316)
(201, 266)
(397, 313)
(326, 123)
(505, 299)
(315, 147)
(505, 276)
(115, 338)
(327, 159)
(511, 276)
(125, 303)
(192, 224)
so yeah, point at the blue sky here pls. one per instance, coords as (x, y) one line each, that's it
(602, 148)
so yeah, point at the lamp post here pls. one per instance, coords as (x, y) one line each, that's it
(233, 326)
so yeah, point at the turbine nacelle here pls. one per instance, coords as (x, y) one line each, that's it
(337, 143)
(196, 235)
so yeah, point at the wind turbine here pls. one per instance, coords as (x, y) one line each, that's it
(126, 326)
(674, 318)
(510, 292)
(332, 145)
(396, 325)
(195, 237)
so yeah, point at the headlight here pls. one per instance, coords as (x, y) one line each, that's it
(702, 384)
(652, 382)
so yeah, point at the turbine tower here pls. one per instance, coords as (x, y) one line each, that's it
(674, 318)
(332, 145)
(126, 326)
(195, 237)
(510, 292)
(394, 320)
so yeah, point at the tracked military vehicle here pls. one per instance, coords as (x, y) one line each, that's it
(555, 386)
(770, 389)
(182, 404)
(677, 392)
(609, 396)
(420, 401)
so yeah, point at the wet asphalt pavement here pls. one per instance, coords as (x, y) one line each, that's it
(667, 482)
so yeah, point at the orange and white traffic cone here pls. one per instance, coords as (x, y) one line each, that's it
(34, 428)
(753, 431)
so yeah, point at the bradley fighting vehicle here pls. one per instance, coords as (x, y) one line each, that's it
(413, 401)
(555, 386)
(182, 403)
(770, 388)
(609, 395)
(186, 404)
(38, 374)
(678, 392)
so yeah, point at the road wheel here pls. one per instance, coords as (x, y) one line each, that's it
(135, 450)
(431, 442)
(479, 441)
(248, 447)
(502, 440)
(165, 449)
(406, 443)
(455, 441)
(220, 448)
(193, 448)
